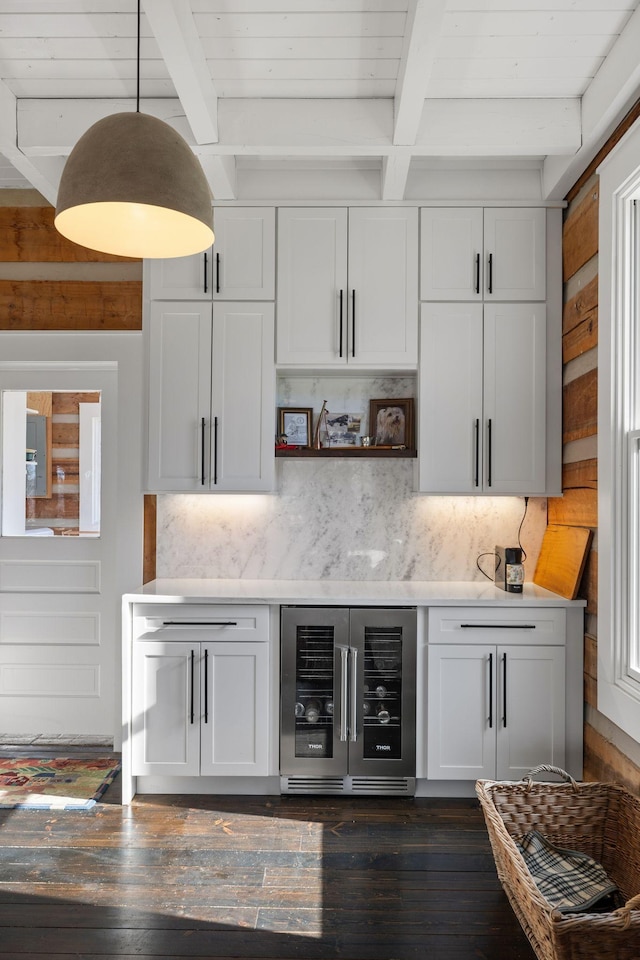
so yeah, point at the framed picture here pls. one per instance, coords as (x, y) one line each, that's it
(391, 423)
(343, 429)
(294, 423)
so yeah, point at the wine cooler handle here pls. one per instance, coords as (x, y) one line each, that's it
(344, 691)
(353, 733)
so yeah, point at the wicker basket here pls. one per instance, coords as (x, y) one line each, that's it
(601, 819)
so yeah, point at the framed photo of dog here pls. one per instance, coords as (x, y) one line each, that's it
(391, 423)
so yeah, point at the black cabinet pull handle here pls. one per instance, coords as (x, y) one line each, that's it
(205, 285)
(206, 686)
(217, 273)
(504, 689)
(215, 450)
(490, 690)
(477, 273)
(199, 623)
(497, 626)
(489, 453)
(490, 273)
(341, 307)
(353, 323)
(191, 709)
(477, 447)
(202, 458)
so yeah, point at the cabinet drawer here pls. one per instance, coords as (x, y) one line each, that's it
(197, 621)
(496, 625)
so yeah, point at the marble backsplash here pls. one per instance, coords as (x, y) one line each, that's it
(341, 519)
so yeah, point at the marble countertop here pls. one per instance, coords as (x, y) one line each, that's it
(426, 593)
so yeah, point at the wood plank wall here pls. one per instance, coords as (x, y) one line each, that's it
(48, 283)
(604, 760)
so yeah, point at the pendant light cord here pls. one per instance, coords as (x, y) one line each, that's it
(138, 65)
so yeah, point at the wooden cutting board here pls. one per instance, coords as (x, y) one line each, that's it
(563, 555)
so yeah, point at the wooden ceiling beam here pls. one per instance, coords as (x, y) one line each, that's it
(175, 31)
(608, 97)
(322, 128)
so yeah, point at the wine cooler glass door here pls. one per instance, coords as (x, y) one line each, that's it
(314, 691)
(384, 741)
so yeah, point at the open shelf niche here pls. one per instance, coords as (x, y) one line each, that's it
(345, 394)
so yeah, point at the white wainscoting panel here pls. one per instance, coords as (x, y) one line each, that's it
(37, 576)
(50, 627)
(49, 680)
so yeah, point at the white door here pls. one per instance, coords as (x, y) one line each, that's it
(515, 398)
(179, 351)
(312, 286)
(383, 287)
(61, 587)
(244, 253)
(450, 442)
(531, 714)
(166, 708)
(235, 709)
(461, 725)
(243, 398)
(451, 261)
(515, 253)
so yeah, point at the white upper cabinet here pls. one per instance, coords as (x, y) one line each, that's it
(211, 397)
(348, 287)
(498, 253)
(239, 266)
(483, 398)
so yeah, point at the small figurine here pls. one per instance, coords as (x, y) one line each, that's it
(282, 442)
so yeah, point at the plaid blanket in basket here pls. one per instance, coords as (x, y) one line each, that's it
(570, 880)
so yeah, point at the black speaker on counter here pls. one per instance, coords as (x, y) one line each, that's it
(509, 573)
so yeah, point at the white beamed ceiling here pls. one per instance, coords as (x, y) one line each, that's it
(373, 100)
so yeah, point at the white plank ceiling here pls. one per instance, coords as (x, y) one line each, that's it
(327, 99)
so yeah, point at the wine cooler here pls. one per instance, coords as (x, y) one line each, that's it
(348, 696)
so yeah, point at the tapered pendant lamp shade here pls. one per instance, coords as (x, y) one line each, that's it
(133, 187)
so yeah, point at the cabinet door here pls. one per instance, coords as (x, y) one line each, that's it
(235, 709)
(165, 709)
(450, 441)
(451, 262)
(461, 725)
(244, 253)
(312, 286)
(179, 350)
(515, 253)
(531, 709)
(181, 278)
(243, 397)
(383, 287)
(515, 398)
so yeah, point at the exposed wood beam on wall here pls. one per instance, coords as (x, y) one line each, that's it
(70, 305)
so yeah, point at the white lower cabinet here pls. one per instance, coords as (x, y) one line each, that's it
(495, 709)
(201, 708)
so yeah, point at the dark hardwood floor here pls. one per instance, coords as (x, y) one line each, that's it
(254, 877)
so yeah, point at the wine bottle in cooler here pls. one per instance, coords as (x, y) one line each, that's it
(313, 711)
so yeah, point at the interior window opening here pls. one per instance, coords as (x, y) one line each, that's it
(51, 466)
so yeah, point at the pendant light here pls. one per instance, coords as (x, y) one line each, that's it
(133, 187)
